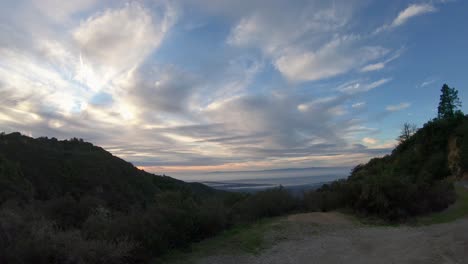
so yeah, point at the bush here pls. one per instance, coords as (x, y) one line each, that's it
(268, 203)
(30, 238)
(411, 181)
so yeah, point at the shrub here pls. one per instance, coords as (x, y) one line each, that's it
(268, 203)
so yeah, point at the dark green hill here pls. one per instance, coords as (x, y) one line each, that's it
(72, 202)
(56, 168)
(416, 178)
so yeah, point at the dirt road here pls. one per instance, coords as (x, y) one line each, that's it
(332, 238)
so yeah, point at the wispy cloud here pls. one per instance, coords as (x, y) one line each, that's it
(358, 105)
(412, 11)
(359, 86)
(312, 47)
(408, 13)
(428, 82)
(380, 65)
(398, 107)
(373, 67)
(332, 59)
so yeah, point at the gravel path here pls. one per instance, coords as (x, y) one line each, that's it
(332, 238)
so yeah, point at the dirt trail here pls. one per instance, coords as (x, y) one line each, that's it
(333, 238)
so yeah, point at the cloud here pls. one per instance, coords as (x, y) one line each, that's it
(113, 74)
(57, 91)
(159, 91)
(369, 141)
(358, 105)
(271, 29)
(427, 82)
(386, 144)
(235, 80)
(118, 40)
(398, 107)
(380, 65)
(359, 87)
(412, 11)
(283, 124)
(373, 67)
(315, 45)
(332, 59)
(60, 11)
(404, 16)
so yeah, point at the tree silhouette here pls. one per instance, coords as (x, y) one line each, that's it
(407, 131)
(449, 103)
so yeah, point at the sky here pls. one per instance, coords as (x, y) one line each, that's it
(215, 85)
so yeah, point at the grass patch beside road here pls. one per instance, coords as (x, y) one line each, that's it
(239, 239)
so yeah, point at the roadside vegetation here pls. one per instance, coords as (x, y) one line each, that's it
(244, 238)
(457, 210)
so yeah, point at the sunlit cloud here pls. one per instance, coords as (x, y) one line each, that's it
(369, 141)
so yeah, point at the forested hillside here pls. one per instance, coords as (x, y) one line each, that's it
(72, 202)
(52, 169)
(416, 178)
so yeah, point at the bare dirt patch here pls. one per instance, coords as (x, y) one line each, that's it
(333, 238)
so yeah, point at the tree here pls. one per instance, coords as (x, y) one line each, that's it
(449, 103)
(407, 131)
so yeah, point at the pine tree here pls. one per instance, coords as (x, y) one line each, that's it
(449, 102)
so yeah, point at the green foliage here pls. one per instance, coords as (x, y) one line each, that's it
(457, 210)
(413, 180)
(247, 238)
(30, 238)
(461, 134)
(449, 104)
(268, 203)
(76, 168)
(72, 202)
(329, 197)
(13, 184)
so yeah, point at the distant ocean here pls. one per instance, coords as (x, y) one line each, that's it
(251, 181)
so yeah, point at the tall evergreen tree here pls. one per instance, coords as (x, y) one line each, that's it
(449, 103)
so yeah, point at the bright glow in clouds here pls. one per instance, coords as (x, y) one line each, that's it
(251, 86)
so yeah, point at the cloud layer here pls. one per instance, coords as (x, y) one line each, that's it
(277, 84)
